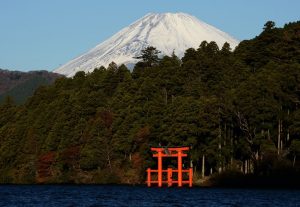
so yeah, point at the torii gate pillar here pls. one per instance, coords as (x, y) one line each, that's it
(178, 152)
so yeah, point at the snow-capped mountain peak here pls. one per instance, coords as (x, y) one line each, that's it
(167, 32)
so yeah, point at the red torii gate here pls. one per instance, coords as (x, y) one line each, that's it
(161, 152)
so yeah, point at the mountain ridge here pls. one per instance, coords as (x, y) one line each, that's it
(21, 85)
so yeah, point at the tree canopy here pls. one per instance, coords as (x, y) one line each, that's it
(149, 56)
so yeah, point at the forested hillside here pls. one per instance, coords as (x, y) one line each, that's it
(21, 85)
(237, 110)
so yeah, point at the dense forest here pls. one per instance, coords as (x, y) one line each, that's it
(237, 110)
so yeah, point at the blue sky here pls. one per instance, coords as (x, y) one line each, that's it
(41, 34)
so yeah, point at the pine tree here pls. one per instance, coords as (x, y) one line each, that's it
(149, 56)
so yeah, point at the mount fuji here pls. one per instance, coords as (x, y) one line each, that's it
(167, 32)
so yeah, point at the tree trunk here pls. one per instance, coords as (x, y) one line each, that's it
(281, 139)
(256, 156)
(288, 130)
(278, 139)
(231, 146)
(225, 134)
(249, 166)
(220, 143)
(294, 161)
(109, 162)
(203, 166)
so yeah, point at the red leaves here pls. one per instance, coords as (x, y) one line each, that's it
(71, 156)
(44, 166)
(107, 118)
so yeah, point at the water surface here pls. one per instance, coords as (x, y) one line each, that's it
(93, 195)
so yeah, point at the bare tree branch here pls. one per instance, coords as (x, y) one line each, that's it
(244, 126)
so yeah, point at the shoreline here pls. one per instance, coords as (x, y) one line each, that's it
(156, 187)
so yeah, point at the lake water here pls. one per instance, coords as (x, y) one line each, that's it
(90, 195)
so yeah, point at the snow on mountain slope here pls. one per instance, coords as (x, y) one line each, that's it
(167, 32)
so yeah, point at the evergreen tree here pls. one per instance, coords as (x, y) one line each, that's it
(149, 56)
